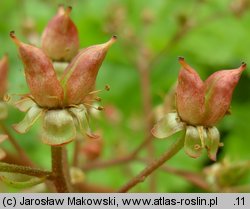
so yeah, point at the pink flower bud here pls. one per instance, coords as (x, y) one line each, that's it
(80, 76)
(190, 95)
(60, 38)
(205, 103)
(4, 65)
(40, 75)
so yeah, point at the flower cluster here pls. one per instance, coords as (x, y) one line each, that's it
(200, 105)
(61, 102)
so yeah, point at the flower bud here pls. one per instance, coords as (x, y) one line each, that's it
(60, 38)
(190, 95)
(40, 75)
(80, 76)
(219, 90)
(4, 65)
(93, 148)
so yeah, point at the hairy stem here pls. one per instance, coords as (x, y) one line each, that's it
(60, 169)
(12, 168)
(176, 146)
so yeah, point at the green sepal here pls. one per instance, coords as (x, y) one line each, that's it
(81, 115)
(167, 126)
(193, 143)
(30, 118)
(20, 181)
(24, 104)
(212, 142)
(58, 127)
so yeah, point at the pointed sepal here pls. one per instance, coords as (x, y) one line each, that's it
(33, 114)
(193, 144)
(167, 126)
(212, 142)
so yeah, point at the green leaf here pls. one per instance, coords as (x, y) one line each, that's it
(212, 142)
(167, 126)
(193, 144)
(58, 127)
(20, 181)
(30, 118)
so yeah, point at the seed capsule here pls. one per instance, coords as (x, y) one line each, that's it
(60, 38)
(219, 90)
(40, 75)
(80, 76)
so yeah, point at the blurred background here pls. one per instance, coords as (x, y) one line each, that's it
(141, 68)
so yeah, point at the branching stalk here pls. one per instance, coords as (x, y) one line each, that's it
(174, 149)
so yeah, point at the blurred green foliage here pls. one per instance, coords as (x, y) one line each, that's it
(217, 38)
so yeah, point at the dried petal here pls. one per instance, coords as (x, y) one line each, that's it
(58, 127)
(80, 76)
(60, 38)
(219, 90)
(40, 75)
(4, 66)
(190, 94)
(167, 126)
